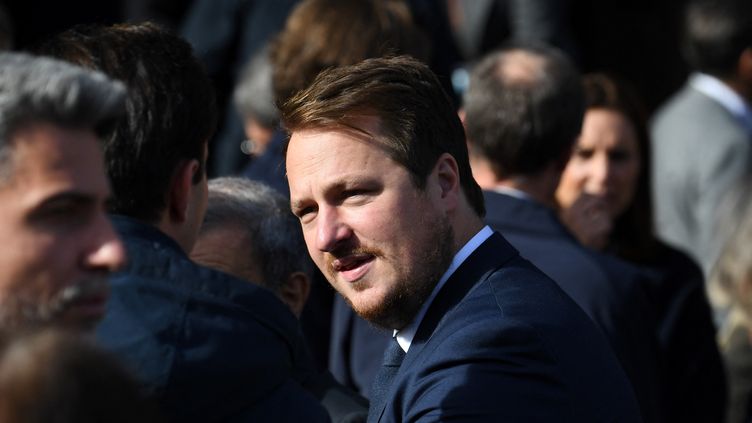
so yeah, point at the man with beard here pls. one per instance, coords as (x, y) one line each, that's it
(58, 244)
(380, 180)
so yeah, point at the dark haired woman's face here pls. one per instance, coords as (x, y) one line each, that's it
(605, 163)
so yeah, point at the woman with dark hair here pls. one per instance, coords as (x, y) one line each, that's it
(604, 199)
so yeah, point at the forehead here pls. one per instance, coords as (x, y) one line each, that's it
(341, 149)
(46, 159)
(608, 127)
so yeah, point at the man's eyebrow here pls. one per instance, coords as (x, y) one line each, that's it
(69, 197)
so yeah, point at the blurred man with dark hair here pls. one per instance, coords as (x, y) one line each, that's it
(58, 244)
(702, 137)
(523, 113)
(380, 180)
(210, 347)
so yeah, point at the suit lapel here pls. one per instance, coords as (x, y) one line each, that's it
(489, 256)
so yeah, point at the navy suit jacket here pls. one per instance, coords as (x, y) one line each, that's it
(502, 342)
(609, 290)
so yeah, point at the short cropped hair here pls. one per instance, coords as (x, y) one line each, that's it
(716, 33)
(270, 229)
(523, 108)
(320, 34)
(171, 109)
(42, 90)
(418, 122)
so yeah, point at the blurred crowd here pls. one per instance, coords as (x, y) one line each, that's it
(152, 269)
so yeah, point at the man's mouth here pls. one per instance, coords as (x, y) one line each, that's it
(84, 302)
(353, 267)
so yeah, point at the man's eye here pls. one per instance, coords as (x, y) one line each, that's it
(306, 211)
(65, 214)
(353, 193)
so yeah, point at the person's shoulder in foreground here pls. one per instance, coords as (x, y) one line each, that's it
(183, 327)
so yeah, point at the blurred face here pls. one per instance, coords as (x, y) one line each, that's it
(381, 242)
(605, 163)
(58, 246)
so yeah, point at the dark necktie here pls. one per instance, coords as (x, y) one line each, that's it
(393, 357)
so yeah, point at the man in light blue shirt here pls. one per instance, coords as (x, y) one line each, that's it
(702, 137)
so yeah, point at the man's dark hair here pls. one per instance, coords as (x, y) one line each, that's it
(171, 110)
(524, 108)
(417, 120)
(716, 33)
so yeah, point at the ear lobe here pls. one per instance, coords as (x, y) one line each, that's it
(180, 189)
(294, 292)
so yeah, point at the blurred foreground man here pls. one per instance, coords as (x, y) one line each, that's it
(380, 180)
(58, 246)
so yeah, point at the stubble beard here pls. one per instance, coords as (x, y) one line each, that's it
(415, 284)
(27, 310)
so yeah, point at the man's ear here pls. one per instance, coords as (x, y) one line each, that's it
(294, 292)
(180, 189)
(448, 177)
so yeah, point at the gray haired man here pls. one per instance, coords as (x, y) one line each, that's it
(57, 243)
(250, 233)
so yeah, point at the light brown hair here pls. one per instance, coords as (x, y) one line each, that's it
(417, 119)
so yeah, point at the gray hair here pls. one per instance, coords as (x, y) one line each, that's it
(43, 90)
(253, 94)
(264, 214)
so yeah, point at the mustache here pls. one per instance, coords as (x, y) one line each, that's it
(341, 252)
(30, 310)
(73, 293)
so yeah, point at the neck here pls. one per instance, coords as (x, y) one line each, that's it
(184, 238)
(541, 186)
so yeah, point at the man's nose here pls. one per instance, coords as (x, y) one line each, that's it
(331, 230)
(108, 253)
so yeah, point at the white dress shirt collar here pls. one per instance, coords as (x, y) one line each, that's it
(512, 192)
(406, 335)
(725, 96)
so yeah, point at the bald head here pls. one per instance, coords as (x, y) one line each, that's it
(523, 109)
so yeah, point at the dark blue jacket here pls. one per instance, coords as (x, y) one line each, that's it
(208, 346)
(501, 342)
(610, 291)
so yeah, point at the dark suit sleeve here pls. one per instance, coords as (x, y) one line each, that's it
(509, 376)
